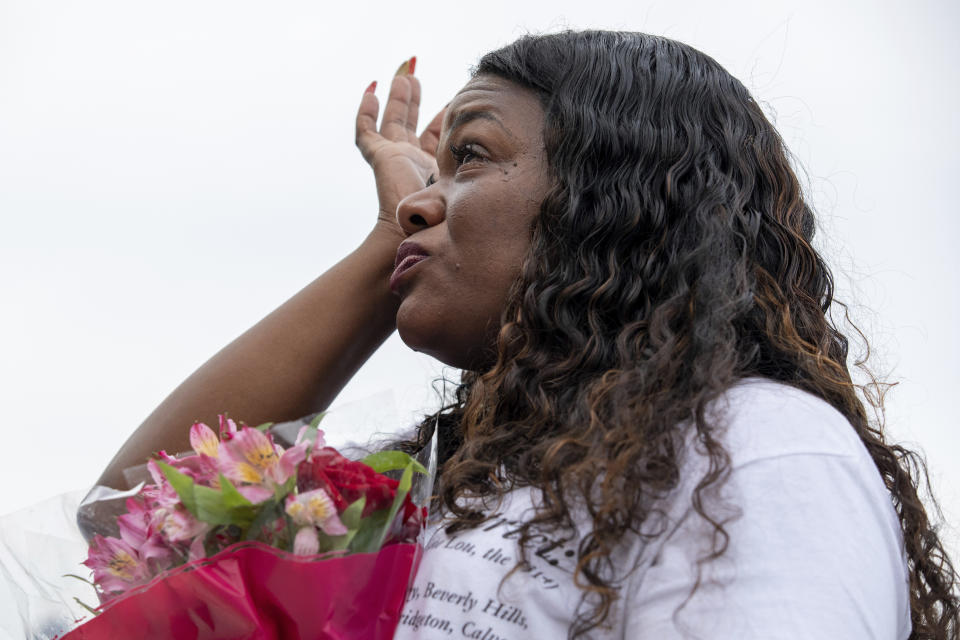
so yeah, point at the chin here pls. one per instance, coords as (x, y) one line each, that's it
(451, 350)
(427, 344)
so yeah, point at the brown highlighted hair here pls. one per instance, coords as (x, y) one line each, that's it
(672, 258)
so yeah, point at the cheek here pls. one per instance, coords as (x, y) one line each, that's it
(453, 312)
(490, 231)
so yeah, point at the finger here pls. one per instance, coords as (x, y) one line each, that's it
(431, 135)
(367, 120)
(413, 111)
(394, 125)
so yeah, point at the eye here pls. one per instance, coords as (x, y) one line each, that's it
(468, 152)
(431, 180)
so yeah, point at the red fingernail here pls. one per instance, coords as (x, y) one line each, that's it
(372, 87)
(413, 64)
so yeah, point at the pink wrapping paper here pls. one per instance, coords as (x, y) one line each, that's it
(256, 592)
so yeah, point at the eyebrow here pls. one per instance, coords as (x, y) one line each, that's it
(469, 116)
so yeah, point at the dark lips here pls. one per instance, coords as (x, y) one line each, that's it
(408, 254)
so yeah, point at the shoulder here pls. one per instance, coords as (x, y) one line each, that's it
(761, 418)
(813, 544)
(799, 469)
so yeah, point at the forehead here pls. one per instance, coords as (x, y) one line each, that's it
(515, 108)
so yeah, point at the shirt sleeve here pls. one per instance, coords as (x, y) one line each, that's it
(814, 551)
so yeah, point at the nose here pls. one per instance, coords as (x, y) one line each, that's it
(421, 209)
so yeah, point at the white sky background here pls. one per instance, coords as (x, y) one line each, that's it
(171, 172)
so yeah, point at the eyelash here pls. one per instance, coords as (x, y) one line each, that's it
(461, 153)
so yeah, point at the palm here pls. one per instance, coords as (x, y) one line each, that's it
(401, 160)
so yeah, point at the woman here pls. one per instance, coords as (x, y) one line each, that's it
(656, 434)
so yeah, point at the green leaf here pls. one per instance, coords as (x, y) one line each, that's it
(86, 606)
(406, 480)
(210, 506)
(351, 515)
(335, 543)
(183, 485)
(368, 533)
(315, 423)
(231, 497)
(264, 426)
(382, 461)
(283, 489)
(225, 506)
(80, 578)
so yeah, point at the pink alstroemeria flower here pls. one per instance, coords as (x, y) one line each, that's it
(179, 525)
(251, 457)
(116, 565)
(228, 428)
(205, 443)
(197, 550)
(255, 493)
(315, 508)
(204, 440)
(139, 529)
(167, 514)
(306, 542)
(161, 494)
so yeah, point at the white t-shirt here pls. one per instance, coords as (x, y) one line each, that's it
(817, 552)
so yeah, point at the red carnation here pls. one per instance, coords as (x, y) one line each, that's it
(408, 525)
(346, 480)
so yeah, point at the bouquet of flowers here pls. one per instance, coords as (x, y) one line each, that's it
(246, 539)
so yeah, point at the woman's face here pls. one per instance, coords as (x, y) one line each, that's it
(469, 229)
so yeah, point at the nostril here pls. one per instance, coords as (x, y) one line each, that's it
(418, 220)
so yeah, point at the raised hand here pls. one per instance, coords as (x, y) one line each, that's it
(401, 160)
(298, 358)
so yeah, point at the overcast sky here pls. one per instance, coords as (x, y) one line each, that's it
(170, 172)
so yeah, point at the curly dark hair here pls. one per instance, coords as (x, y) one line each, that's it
(671, 259)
